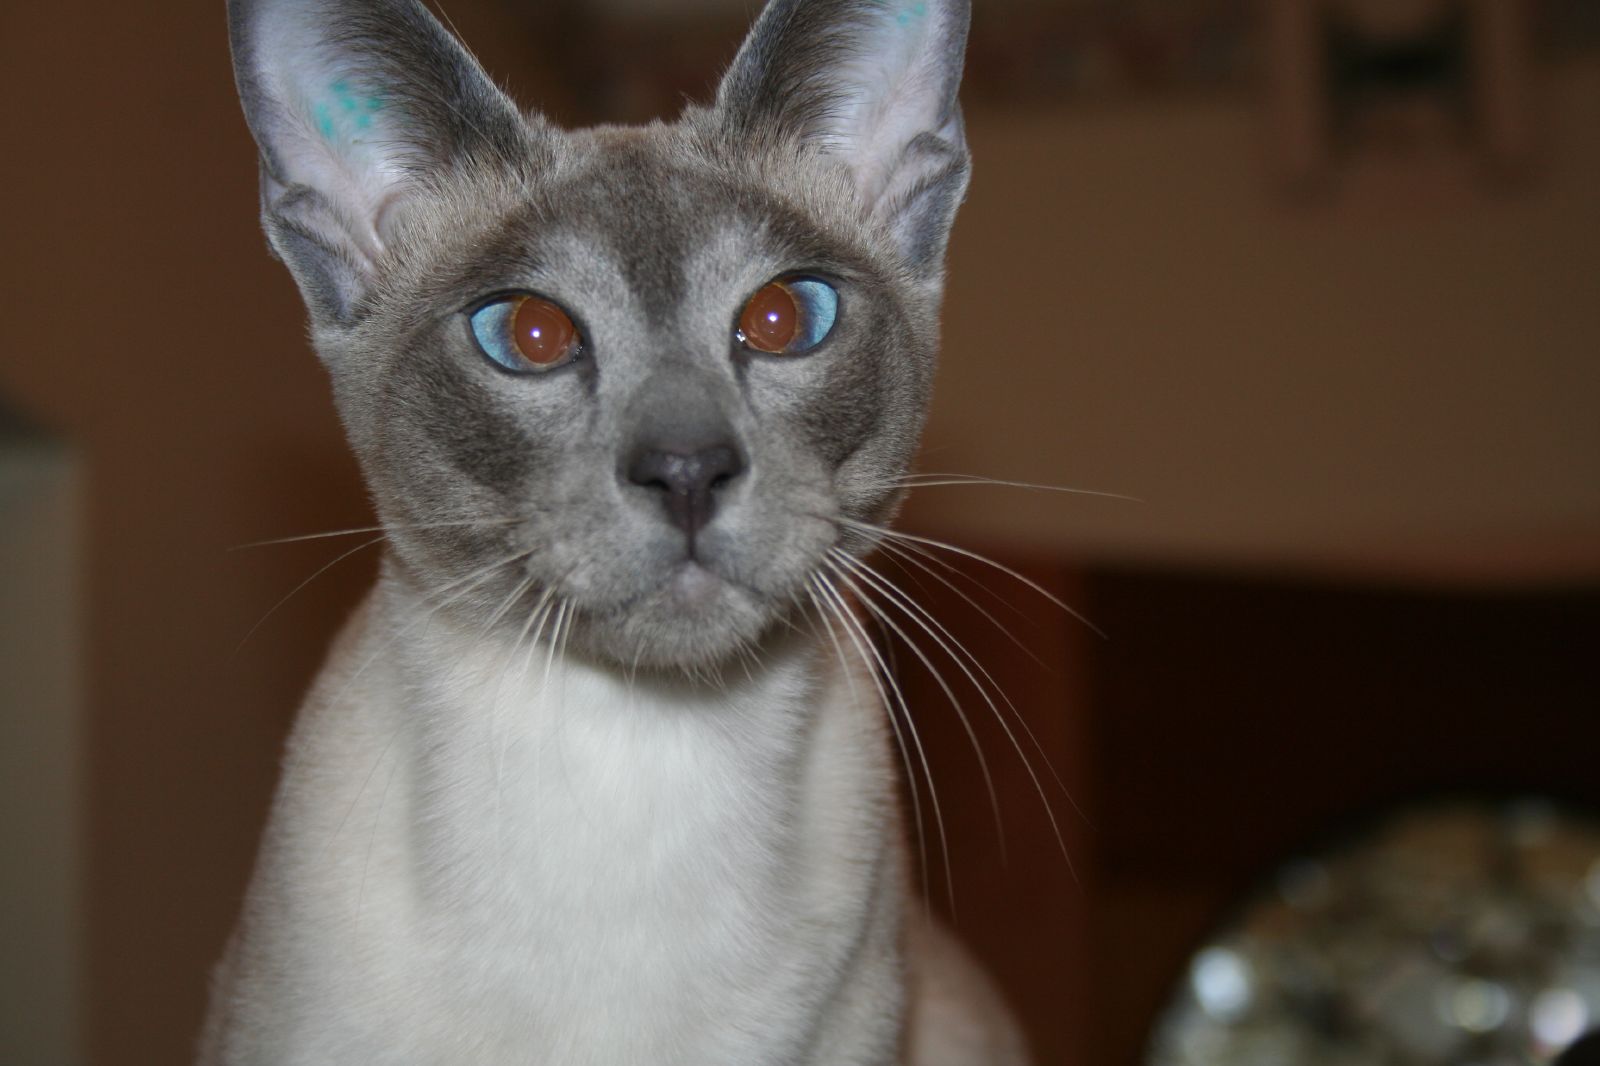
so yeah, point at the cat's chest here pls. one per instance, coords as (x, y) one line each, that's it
(575, 817)
(586, 858)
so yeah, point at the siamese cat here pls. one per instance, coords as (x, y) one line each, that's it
(600, 772)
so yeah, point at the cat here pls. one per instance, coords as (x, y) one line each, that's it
(600, 771)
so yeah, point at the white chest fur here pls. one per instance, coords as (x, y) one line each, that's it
(470, 860)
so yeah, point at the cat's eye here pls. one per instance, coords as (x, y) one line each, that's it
(788, 316)
(526, 334)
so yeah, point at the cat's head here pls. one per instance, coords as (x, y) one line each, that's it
(650, 374)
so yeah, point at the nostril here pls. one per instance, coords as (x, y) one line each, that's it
(689, 480)
(720, 465)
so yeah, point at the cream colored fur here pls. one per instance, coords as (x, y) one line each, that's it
(476, 859)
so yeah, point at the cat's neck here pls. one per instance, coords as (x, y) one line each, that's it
(564, 837)
(623, 763)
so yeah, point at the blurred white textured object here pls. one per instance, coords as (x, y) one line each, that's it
(1461, 933)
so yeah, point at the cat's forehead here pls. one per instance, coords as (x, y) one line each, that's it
(636, 217)
(666, 224)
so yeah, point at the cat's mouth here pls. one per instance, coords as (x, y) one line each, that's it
(695, 614)
(695, 618)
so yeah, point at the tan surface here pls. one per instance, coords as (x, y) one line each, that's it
(1407, 368)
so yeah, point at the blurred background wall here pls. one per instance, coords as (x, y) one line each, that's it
(1368, 365)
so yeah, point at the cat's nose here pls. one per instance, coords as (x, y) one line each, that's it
(689, 480)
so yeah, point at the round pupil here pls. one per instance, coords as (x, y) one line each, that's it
(542, 331)
(770, 319)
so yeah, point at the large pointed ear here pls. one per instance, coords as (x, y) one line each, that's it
(873, 82)
(356, 105)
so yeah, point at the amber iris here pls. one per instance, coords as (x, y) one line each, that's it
(543, 333)
(770, 320)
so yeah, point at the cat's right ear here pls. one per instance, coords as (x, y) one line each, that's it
(356, 106)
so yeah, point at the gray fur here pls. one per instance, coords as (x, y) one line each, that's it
(402, 189)
(652, 239)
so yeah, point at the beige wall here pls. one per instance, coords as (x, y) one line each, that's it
(1130, 309)
(1404, 371)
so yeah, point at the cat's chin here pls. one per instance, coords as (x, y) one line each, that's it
(695, 588)
(693, 620)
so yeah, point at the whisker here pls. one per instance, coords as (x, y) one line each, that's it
(917, 559)
(323, 569)
(894, 724)
(462, 587)
(925, 558)
(558, 646)
(869, 653)
(928, 481)
(951, 645)
(916, 555)
(495, 745)
(565, 639)
(901, 557)
(498, 742)
(383, 528)
(536, 623)
(955, 702)
(555, 638)
(984, 559)
(510, 601)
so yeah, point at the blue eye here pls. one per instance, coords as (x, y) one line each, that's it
(789, 316)
(525, 334)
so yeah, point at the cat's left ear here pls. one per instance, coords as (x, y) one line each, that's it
(874, 83)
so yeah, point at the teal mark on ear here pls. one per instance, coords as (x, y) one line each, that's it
(915, 11)
(346, 109)
(907, 13)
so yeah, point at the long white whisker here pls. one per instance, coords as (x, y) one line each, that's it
(917, 558)
(899, 737)
(497, 743)
(955, 702)
(461, 587)
(917, 555)
(555, 638)
(323, 569)
(869, 652)
(910, 550)
(984, 559)
(384, 528)
(901, 557)
(951, 646)
(536, 618)
(510, 601)
(928, 481)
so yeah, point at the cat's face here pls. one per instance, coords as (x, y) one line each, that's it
(660, 483)
(653, 250)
